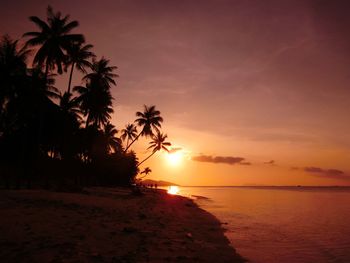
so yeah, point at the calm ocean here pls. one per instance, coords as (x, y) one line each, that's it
(282, 224)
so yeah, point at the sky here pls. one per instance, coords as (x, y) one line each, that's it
(251, 92)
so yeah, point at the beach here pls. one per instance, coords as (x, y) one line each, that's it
(108, 225)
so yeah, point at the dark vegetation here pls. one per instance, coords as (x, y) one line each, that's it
(63, 138)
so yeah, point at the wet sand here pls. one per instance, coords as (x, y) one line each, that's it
(108, 225)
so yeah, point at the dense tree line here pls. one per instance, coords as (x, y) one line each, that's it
(54, 137)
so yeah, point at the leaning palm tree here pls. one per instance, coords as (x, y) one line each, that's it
(78, 56)
(53, 38)
(129, 133)
(158, 143)
(149, 120)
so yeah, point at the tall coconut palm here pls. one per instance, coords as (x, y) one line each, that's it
(113, 142)
(95, 97)
(78, 57)
(129, 133)
(42, 86)
(35, 109)
(54, 38)
(102, 74)
(70, 120)
(13, 77)
(12, 67)
(149, 120)
(95, 103)
(69, 105)
(158, 143)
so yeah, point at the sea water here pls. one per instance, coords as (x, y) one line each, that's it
(281, 224)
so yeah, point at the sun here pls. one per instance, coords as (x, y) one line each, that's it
(174, 158)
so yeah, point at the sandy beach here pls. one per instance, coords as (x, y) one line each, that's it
(108, 225)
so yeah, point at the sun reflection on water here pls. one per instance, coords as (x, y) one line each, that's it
(173, 190)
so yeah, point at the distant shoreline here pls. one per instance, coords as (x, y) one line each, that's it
(107, 224)
(268, 186)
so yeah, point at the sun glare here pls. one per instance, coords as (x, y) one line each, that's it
(173, 190)
(174, 158)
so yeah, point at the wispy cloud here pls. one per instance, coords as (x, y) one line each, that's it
(324, 173)
(175, 149)
(272, 162)
(221, 159)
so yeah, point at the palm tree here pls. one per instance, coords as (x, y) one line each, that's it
(95, 103)
(12, 68)
(129, 133)
(102, 74)
(96, 98)
(42, 86)
(54, 38)
(78, 56)
(35, 111)
(113, 142)
(70, 122)
(158, 143)
(149, 120)
(145, 171)
(13, 79)
(69, 105)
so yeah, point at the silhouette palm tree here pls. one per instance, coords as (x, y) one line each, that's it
(78, 56)
(129, 133)
(42, 86)
(12, 68)
(95, 98)
(95, 103)
(70, 122)
(102, 74)
(158, 143)
(13, 79)
(69, 105)
(54, 38)
(113, 142)
(149, 120)
(145, 171)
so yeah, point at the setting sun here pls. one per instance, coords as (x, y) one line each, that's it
(174, 158)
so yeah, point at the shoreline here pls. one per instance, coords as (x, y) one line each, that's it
(109, 225)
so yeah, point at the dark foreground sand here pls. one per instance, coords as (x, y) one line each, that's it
(108, 225)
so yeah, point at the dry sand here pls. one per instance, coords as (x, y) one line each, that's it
(108, 225)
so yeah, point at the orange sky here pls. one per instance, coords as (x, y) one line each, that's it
(259, 80)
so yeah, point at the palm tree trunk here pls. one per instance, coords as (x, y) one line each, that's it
(87, 121)
(142, 177)
(133, 141)
(46, 70)
(146, 158)
(70, 77)
(127, 142)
